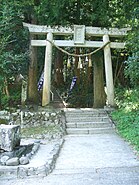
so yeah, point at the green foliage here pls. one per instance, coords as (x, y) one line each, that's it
(120, 12)
(132, 69)
(81, 96)
(11, 101)
(3, 121)
(13, 50)
(132, 64)
(127, 99)
(69, 12)
(13, 54)
(127, 116)
(128, 125)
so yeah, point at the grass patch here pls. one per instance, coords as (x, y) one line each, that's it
(126, 116)
(41, 131)
(3, 121)
(127, 124)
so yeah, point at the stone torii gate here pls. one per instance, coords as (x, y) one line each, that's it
(79, 32)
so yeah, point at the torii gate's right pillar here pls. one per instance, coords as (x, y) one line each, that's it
(108, 72)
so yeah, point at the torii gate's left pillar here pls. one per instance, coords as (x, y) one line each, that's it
(47, 71)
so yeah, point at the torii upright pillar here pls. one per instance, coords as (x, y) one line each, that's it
(108, 72)
(47, 71)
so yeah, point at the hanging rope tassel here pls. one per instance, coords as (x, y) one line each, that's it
(68, 63)
(90, 61)
(86, 59)
(80, 66)
(73, 60)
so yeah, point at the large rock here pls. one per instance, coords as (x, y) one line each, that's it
(4, 159)
(12, 162)
(24, 160)
(9, 137)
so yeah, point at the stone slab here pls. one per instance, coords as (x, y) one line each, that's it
(9, 137)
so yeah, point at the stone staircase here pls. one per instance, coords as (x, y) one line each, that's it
(88, 121)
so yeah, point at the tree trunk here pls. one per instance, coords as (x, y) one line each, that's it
(59, 79)
(32, 76)
(32, 79)
(99, 93)
(77, 71)
(6, 87)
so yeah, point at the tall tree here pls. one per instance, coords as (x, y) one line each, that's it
(30, 10)
(58, 68)
(32, 75)
(13, 51)
(99, 93)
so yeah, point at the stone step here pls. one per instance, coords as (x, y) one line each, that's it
(86, 131)
(87, 119)
(84, 110)
(73, 110)
(88, 124)
(86, 114)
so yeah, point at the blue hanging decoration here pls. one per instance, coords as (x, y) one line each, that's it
(40, 83)
(74, 79)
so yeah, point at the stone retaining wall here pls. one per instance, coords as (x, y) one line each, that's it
(23, 171)
(27, 119)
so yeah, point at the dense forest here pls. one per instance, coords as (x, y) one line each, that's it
(15, 51)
